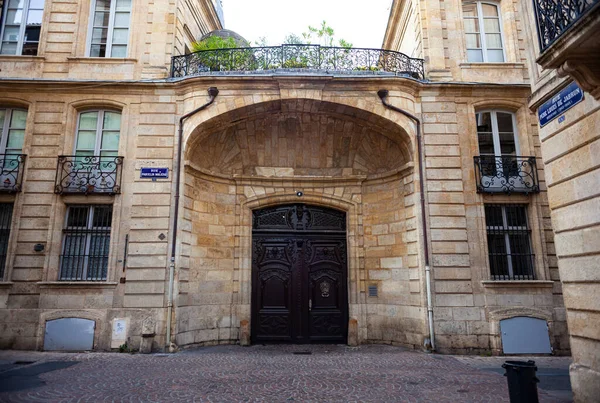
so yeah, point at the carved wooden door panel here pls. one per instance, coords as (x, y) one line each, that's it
(299, 275)
(326, 264)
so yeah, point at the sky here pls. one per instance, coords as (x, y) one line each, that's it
(362, 23)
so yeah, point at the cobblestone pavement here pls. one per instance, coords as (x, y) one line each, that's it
(369, 373)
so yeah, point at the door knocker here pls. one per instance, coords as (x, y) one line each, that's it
(325, 289)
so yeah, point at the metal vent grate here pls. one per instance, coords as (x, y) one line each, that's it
(373, 291)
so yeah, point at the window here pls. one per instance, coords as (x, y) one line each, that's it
(109, 28)
(5, 222)
(12, 124)
(98, 134)
(21, 27)
(496, 133)
(508, 238)
(86, 242)
(483, 32)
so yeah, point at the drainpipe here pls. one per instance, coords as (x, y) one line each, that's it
(383, 95)
(212, 92)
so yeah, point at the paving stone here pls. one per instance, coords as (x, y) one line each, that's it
(323, 373)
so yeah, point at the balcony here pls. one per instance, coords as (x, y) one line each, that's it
(88, 175)
(568, 36)
(506, 174)
(11, 178)
(314, 59)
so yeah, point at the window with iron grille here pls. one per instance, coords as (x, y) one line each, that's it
(509, 242)
(5, 221)
(86, 242)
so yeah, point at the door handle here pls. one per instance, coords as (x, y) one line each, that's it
(310, 305)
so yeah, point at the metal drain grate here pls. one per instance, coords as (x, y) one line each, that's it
(302, 352)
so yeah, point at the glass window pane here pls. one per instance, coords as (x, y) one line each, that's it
(15, 139)
(16, 3)
(101, 19)
(489, 10)
(97, 50)
(102, 5)
(122, 20)
(473, 41)
(110, 141)
(123, 5)
(2, 115)
(505, 123)
(112, 121)
(471, 25)
(493, 216)
(36, 4)
(78, 217)
(516, 216)
(484, 121)
(119, 51)
(34, 17)
(18, 119)
(9, 48)
(493, 41)
(14, 17)
(99, 35)
(491, 25)
(507, 144)
(102, 216)
(486, 143)
(495, 56)
(86, 140)
(88, 121)
(120, 35)
(469, 9)
(11, 33)
(474, 55)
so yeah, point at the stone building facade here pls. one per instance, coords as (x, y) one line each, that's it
(320, 156)
(562, 62)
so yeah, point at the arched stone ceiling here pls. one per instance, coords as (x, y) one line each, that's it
(300, 138)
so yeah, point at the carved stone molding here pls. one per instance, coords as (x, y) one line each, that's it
(586, 71)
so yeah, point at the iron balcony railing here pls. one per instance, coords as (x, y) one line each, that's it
(314, 58)
(555, 17)
(88, 174)
(11, 178)
(507, 174)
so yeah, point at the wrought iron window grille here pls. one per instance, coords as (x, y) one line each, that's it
(6, 210)
(329, 59)
(86, 242)
(555, 17)
(506, 174)
(509, 242)
(11, 177)
(88, 175)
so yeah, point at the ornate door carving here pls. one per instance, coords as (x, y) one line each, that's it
(299, 275)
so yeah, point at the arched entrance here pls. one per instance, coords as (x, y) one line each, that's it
(299, 275)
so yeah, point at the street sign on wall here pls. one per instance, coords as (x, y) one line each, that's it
(560, 103)
(154, 173)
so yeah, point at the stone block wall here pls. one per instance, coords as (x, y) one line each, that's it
(158, 30)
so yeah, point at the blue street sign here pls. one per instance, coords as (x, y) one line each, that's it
(154, 173)
(560, 103)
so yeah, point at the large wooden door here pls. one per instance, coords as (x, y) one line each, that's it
(299, 275)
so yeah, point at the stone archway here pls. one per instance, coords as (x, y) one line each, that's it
(338, 157)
